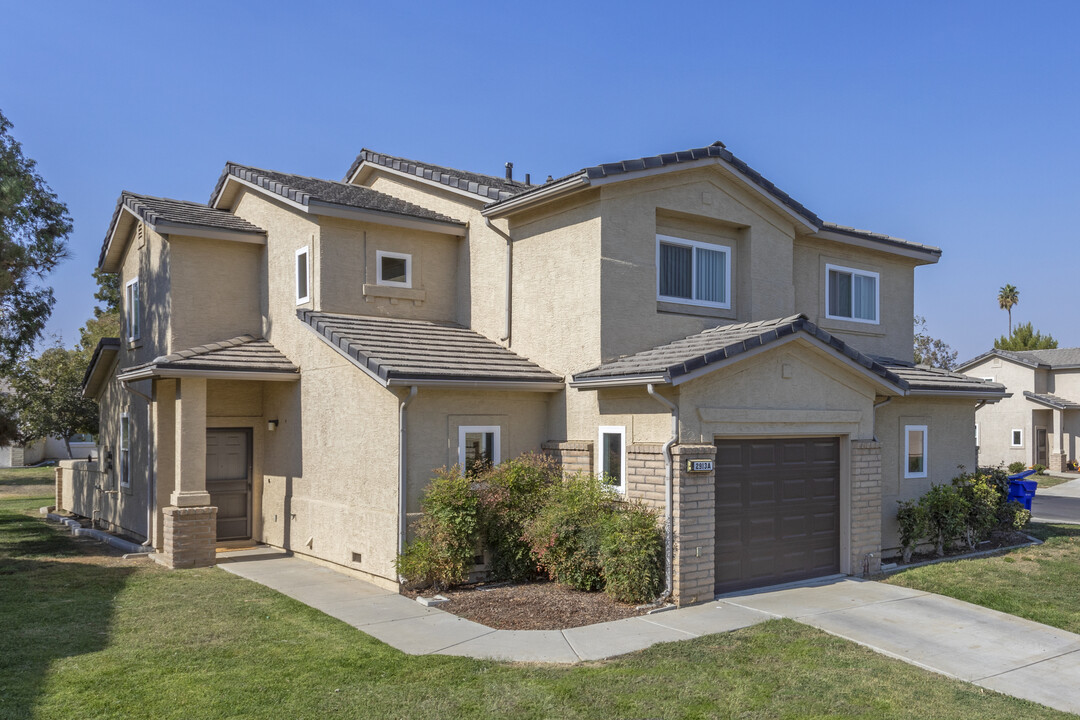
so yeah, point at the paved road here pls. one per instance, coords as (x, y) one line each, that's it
(1055, 508)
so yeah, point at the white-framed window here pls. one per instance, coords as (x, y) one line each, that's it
(393, 269)
(478, 447)
(125, 450)
(976, 434)
(303, 275)
(1017, 437)
(611, 455)
(132, 309)
(915, 455)
(693, 273)
(851, 294)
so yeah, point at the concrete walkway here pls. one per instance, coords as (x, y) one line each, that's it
(990, 649)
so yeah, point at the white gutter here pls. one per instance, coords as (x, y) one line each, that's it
(151, 476)
(669, 513)
(505, 207)
(153, 372)
(402, 468)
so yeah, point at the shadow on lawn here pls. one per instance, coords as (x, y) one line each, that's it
(50, 609)
(1047, 531)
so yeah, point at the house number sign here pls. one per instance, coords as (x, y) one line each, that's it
(701, 466)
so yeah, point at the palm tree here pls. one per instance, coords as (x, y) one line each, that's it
(1007, 297)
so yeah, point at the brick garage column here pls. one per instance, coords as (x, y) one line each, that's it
(190, 535)
(58, 474)
(695, 525)
(1057, 462)
(573, 456)
(865, 506)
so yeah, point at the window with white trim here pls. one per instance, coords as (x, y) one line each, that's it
(693, 273)
(393, 269)
(1017, 437)
(611, 455)
(303, 276)
(132, 309)
(976, 434)
(851, 294)
(478, 447)
(125, 451)
(915, 446)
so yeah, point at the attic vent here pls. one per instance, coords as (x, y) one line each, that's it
(140, 237)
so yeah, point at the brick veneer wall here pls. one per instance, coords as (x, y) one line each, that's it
(190, 536)
(695, 526)
(1057, 462)
(58, 474)
(645, 474)
(865, 506)
(573, 456)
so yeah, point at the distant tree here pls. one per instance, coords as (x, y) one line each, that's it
(1008, 297)
(1025, 337)
(34, 226)
(931, 351)
(47, 396)
(108, 292)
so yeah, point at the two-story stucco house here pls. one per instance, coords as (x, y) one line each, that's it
(299, 354)
(1039, 421)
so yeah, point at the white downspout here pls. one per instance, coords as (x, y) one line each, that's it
(669, 511)
(509, 270)
(151, 476)
(883, 403)
(402, 467)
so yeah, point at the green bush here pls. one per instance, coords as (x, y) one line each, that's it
(946, 514)
(1014, 516)
(447, 533)
(632, 554)
(983, 501)
(566, 534)
(1039, 469)
(1017, 467)
(914, 526)
(511, 494)
(998, 478)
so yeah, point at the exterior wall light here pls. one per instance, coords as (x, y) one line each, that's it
(271, 425)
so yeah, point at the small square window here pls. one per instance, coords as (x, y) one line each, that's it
(393, 269)
(851, 294)
(133, 311)
(611, 456)
(1017, 438)
(478, 448)
(915, 445)
(303, 276)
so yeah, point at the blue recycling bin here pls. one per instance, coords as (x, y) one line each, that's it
(1022, 490)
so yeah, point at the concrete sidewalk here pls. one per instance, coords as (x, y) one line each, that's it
(990, 649)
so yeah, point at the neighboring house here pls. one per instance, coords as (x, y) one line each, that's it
(1039, 421)
(50, 448)
(300, 354)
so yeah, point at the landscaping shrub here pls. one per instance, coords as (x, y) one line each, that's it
(1017, 467)
(946, 514)
(632, 554)
(511, 494)
(1039, 469)
(914, 526)
(447, 534)
(566, 534)
(1014, 516)
(997, 477)
(983, 501)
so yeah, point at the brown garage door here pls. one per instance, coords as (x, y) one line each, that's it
(777, 511)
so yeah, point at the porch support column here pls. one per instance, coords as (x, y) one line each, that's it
(164, 452)
(694, 504)
(1057, 457)
(190, 527)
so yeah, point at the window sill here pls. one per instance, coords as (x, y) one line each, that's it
(393, 293)
(134, 344)
(853, 328)
(697, 310)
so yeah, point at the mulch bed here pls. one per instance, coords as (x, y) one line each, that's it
(531, 606)
(997, 540)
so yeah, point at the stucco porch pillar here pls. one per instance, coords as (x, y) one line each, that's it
(190, 523)
(1057, 457)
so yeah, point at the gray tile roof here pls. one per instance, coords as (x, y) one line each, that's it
(923, 379)
(245, 353)
(105, 346)
(1052, 400)
(1055, 359)
(489, 186)
(681, 357)
(303, 190)
(398, 350)
(156, 211)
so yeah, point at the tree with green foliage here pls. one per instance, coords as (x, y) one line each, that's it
(1008, 297)
(1025, 337)
(34, 226)
(48, 399)
(931, 351)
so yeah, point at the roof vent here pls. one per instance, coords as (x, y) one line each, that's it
(719, 144)
(549, 179)
(509, 171)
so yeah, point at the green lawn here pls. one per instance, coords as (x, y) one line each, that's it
(1041, 583)
(1049, 481)
(10, 477)
(89, 635)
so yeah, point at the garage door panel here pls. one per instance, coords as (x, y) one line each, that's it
(780, 520)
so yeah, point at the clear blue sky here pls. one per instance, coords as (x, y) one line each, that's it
(947, 123)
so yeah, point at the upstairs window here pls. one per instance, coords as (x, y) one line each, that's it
(851, 294)
(611, 456)
(693, 273)
(132, 309)
(478, 448)
(303, 276)
(393, 269)
(915, 451)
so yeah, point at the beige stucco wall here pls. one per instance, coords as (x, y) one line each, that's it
(893, 336)
(122, 507)
(950, 444)
(348, 278)
(997, 420)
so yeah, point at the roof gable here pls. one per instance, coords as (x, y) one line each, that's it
(483, 187)
(1053, 359)
(240, 357)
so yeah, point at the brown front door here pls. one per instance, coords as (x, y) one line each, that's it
(1041, 454)
(777, 511)
(228, 480)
